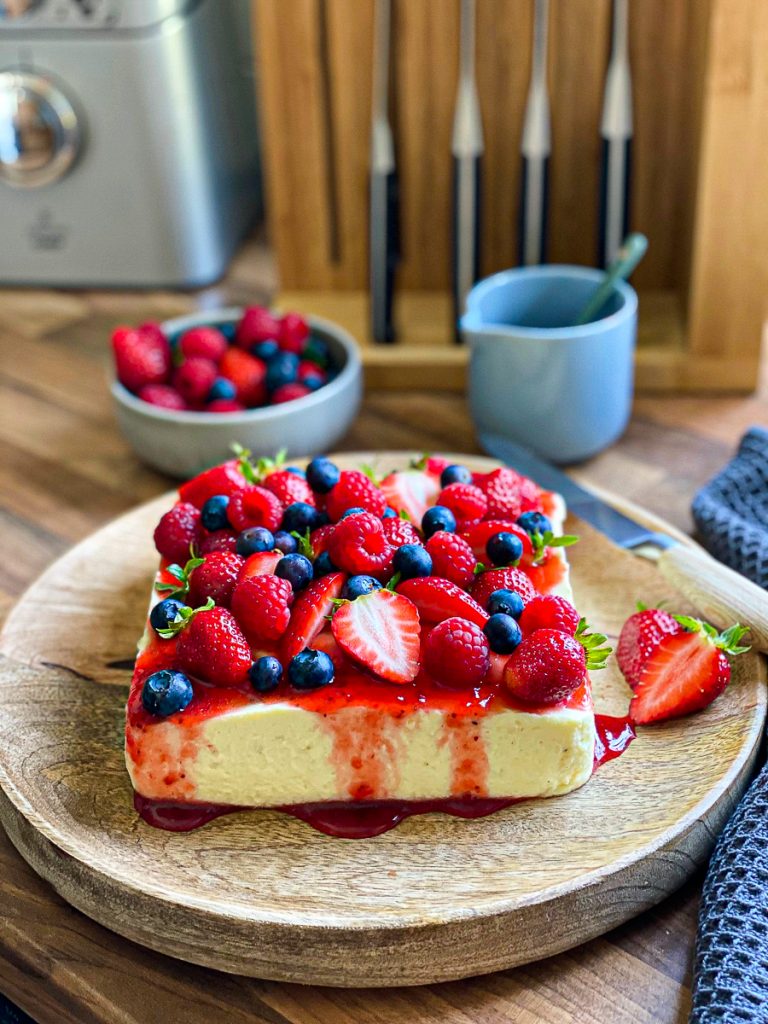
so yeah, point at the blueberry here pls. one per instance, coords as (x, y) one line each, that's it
(534, 522)
(282, 369)
(359, 586)
(296, 471)
(300, 516)
(503, 633)
(166, 692)
(314, 383)
(412, 560)
(455, 475)
(222, 388)
(323, 565)
(352, 511)
(265, 674)
(285, 542)
(322, 475)
(265, 349)
(164, 612)
(297, 569)
(213, 515)
(228, 330)
(316, 351)
(310, 669)
(388, 513)
(253, 539)
(438, 518)
(504, 548)
(505, 602)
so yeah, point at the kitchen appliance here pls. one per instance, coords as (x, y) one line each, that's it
(128, 140)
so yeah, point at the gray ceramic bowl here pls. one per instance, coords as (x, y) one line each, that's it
(184, 443)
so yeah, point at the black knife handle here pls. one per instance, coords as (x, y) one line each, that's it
(384, 253)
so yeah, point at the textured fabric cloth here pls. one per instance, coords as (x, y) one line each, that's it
(10, 1014)
(731, 511)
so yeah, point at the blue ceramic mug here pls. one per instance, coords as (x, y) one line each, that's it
(563, 391)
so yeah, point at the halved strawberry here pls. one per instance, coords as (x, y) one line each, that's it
(411, 491)
(640, 636)
(310, 613)
(381, 632)
(685, 672)
(262, 563)
(438, 599)
(478, 535)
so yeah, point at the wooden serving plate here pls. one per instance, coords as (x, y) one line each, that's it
(262, 894)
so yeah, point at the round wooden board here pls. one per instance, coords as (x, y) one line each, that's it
(262, 894)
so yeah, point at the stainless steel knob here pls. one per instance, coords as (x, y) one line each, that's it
(17, 8)
(39, 130)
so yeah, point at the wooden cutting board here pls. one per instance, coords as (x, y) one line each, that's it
(262, 894)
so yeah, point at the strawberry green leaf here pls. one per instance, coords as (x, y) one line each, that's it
(181, 588)
(595, 646)
(394, 581)
(182, 618)
(305, 544)
(541, 541)
(403, 514)
(729, 641)
(244, 463)
(420, 463)
(370, 473)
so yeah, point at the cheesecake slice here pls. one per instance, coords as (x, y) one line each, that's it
(383, 728)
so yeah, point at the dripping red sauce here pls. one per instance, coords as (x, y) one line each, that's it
(612, 737)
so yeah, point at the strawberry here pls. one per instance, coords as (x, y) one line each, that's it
(309, 371)
(140, 358)
(212, 647)
(467, 502)
(452, 558)
(163, 396)
(310, 613)
(194, 378)
(178, 530)
(502, 579)
(320, 539)
(219, 540)
(549, 612)
(261, 605)
(247, 373)
(289, 487)
(294, 331)
(685, 671)
(546, 668)
(400, 531)
(256, 324)
(215, 578)
(205, 342)
(438, 599)
(640, 636)
(432, 464)
(224, 405)
(354, 490)
(359, 545)
(262, 563)
(509, 493)
(410, 491)
(381, 632)
(456, 653)
(224, 479)
(478, 534)
(254, 506)
(289, 392)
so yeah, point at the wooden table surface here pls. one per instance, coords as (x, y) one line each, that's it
(65, 470)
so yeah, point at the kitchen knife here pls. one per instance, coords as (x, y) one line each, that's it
(616, 130)
(467, 149)
(721, 595)
(536, 145)
(383, 222)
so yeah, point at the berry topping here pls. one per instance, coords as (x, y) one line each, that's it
(357, 586)
(452, 558)
(467, 502)
(247, 373)
(412, 560)
(212, 647)
(213, 514)
(309, 615)
(504, 548)
(140, 358)
(359, 545)
(456, 653)
(265, 674)
(502, 579)
(205, 342)
(178, 530)
(194, 379)
(166, 693)
(224, 479)
(454, 474)
(310, 670)
(399, 531)
(503, 633)
(164, 613)
(163, 396)
(261, 605)
(549, 612)
(215, 578)
(296, 569)
(505, 602)
(640, 636)
(438, 599)
(255, 538)
(380, 631)
(257, 324)
(546, 668)
(255, 506)
(322, 475)
(410, 492)
(438, 518)
(354, 490)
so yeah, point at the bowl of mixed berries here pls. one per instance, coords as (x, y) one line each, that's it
(186, 389)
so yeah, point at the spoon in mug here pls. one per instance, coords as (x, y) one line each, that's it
(632, 250)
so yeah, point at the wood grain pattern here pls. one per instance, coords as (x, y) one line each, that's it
(261, 894)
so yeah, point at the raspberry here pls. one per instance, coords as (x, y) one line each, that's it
(224, 405)
(452, 558)
(205, 342)
(546, 668)
(502, 579)
(224, 479)
(215, 578)
(399, 531)
(289, 392)
(177, 531)
(467, 502)
(289, 487)
(502, 488)
(213, 648)
(256, 324)
(294, 331)
(359, 544)
(140, 358)
(261, 604)
(219, 540)
(247, 373)
(193, 379)
(550, 612)
(456, 653)
(163, 396)
(353, 490)
(254, 506)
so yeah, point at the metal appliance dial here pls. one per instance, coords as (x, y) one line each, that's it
(39, 130)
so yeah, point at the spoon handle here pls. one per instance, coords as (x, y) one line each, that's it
(631, 252)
